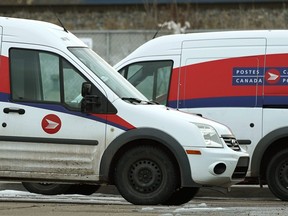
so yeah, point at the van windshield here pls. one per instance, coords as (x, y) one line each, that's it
(107, 73)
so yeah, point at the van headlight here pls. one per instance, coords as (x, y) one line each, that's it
(211, 137)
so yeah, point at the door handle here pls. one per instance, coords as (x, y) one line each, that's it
(14, 110)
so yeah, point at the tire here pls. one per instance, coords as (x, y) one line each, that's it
(146, 175)
(83, 189)
(277, 175)
(182, 195)
(46, 188)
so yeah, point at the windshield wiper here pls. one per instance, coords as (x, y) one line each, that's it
(153, 102)
(132, 100)
(138, 101)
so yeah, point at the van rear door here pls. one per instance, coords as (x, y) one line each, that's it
(221, 78)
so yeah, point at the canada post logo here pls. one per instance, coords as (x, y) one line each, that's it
(244, 76)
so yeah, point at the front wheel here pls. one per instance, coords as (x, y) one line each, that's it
(277, 175)
(182, 196)
(146, 175)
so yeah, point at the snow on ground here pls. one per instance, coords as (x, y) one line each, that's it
(99, 198)
(14, 195)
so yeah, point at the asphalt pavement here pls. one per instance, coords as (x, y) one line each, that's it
(240, 191)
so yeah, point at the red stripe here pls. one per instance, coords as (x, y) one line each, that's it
(214, 79)
(115, 119)
(276, 60)
(4, 74)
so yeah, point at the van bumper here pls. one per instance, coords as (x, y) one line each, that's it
(218, 167)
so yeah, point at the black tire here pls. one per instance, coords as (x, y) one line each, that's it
(83, 189)
(46, 188)
(146, 175)
(182, 195)
(277, 175)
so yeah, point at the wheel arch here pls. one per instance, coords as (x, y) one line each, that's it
(268, 146)
(132, 137)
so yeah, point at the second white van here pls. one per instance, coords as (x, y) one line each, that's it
(239, 78)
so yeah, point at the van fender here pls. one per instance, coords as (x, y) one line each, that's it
(150, 134)
(263, 145)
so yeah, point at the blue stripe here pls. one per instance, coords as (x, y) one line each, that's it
(216, 102)
(275, 100)
(59, 108)
(245, 101)
(4, 97)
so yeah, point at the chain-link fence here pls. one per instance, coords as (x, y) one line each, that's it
(113, 46)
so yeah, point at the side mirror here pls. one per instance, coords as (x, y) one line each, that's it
(89, 102)
(86, 89)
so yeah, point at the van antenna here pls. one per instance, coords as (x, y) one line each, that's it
(59, 21)
(61, 24)
(158, 30)
(50, 7)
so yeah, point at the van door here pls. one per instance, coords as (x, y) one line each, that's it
(223, 80)
(43, 129)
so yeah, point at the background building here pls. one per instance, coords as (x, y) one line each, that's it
(115, 28)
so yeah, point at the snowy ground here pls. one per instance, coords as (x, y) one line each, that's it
(98, 198)
(19, 202)
(14, 195)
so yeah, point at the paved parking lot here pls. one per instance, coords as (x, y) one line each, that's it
(242, 200)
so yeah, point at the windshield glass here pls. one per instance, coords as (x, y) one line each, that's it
(106, 73)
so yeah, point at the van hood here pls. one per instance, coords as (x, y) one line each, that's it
(196, 119)
(162, 117)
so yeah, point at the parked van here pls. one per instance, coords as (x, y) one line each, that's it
(69, 117)
(239, 78)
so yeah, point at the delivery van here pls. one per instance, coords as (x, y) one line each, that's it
(239, 78)
(69, 117)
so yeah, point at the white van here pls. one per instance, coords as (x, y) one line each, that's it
(69, 117)
(239, 78)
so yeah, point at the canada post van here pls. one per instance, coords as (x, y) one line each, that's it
(69, 117)
(239, 78)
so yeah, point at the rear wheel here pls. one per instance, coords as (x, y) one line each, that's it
(146, 175)
(182, 195)
(277, 175)
(46, 188)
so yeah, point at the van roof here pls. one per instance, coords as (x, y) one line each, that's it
(171, 44)
(36, 32)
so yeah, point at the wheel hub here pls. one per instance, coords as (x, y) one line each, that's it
(283, 174)
(145, 176)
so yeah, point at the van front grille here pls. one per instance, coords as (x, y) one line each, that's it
(231, 142)
(241, 168)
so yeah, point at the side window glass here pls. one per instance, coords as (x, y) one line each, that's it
(44, 77)
(34, 76)
(151, 78)
(142, 79)
(25, 75)
(72, 82)
(38, 76)
(50, 76)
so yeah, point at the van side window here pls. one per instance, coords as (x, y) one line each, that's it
(38, 76)
(155, 74)
(72, 84)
